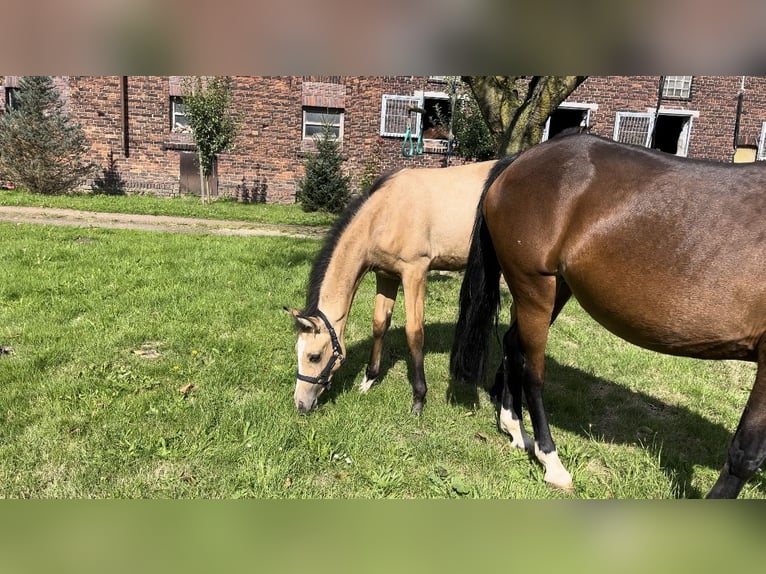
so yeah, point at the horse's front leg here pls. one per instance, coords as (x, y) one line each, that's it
(748, 446)
(385, 297)
(534, 311)
(414, 286)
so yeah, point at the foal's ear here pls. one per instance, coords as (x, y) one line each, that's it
(302, 322)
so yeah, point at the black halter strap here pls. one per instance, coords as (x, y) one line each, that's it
(324, 376)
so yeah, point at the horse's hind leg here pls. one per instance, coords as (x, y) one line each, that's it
(747, 450)
(508, 386)
(533, 317)
(508, 392)
(385, 297)
(414, 286)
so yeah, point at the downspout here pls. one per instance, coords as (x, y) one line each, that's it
(124, 114)
(657, 111)
(740, 100)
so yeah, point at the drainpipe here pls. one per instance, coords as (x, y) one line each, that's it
(657, 111)
(124, 114)
(740, 99)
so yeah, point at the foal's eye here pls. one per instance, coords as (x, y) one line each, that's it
(315, 358)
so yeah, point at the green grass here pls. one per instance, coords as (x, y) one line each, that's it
(182, 206)
(108, 327)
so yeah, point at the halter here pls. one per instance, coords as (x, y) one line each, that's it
(324, 377)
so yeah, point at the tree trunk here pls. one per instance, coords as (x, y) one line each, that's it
(517, 107)
(202, 180)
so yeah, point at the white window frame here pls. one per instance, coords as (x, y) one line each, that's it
(587, 108)
(393, 115)
(175, 115)
(444, 96)
(761, 155)
(687, 130)
(679, 87)
(626, 115)
(651, 114)
(325, 112)
(11, 98)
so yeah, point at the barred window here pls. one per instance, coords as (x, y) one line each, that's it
(634, 128)
(396, 117)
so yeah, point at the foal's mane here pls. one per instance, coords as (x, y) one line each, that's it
(322, 261)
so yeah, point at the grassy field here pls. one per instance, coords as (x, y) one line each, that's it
(159, 365)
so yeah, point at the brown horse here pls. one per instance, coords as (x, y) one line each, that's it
(667, 253)
(411, 221)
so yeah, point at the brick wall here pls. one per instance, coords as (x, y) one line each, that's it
(713, 97)
(269, 152)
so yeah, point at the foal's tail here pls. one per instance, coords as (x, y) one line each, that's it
(479, 297)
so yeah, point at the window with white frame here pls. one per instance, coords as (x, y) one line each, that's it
(568, 115)
(426, 113)
(634, 128)
(11, 99)
(762, 143)
(671, 129)
(178, 120)
(317, 120)
(677, 87)
(397, 114)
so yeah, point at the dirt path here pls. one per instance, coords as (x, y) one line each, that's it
(75, 218)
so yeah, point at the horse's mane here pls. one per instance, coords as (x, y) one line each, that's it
(322, 261)
(381, 180)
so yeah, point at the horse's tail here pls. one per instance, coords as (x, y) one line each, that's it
(479, 297)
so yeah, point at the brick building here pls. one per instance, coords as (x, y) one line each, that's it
(138, 121)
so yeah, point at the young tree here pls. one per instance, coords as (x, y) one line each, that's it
(207, 105)
(41, 147)
(324, 187)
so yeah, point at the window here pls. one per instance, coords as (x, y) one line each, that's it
(178, 119)
(436, 120)
(397, 114)
(11, 99)
(671, 133)
(315, 120)
(634, 128)
(677, 87)
(426, 113)
(672, 129)
(568, 115)
(762, 143)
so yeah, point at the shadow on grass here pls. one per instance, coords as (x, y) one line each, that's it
(579, 402)
(595, 407)
(438, 339)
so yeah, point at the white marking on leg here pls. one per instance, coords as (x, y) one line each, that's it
(510, 424)
(365, 385)
(555, 473)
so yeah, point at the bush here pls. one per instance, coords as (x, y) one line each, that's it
(324, 187)
(41, 148)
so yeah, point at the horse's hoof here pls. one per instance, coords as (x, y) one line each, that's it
(568, 488)
(417, 408)
(560, 481)
(366, 384)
